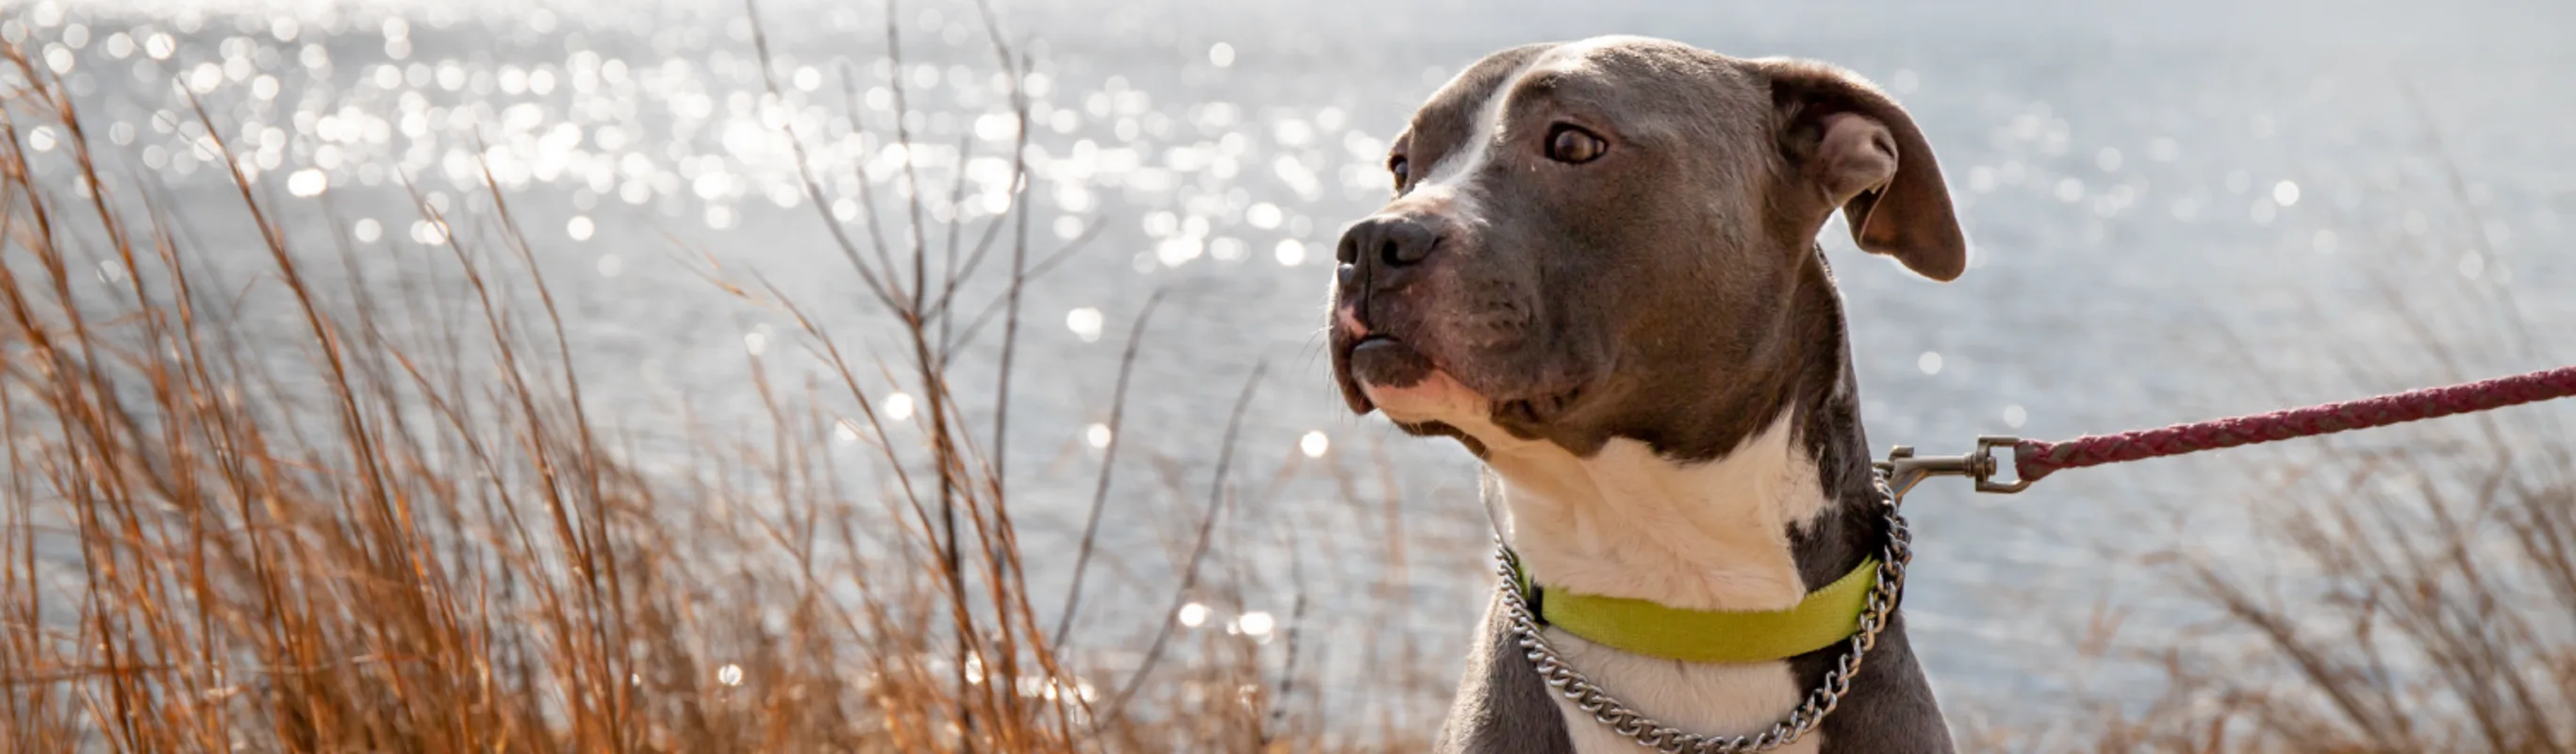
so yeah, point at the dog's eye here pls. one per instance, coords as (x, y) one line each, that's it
(1573, 145)
(1402, 169)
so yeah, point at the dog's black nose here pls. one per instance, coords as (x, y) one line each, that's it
(1391, 240)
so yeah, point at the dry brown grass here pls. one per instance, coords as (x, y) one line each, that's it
(396, 526)
(2420, 598)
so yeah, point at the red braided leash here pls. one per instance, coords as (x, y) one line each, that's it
(2033, 459)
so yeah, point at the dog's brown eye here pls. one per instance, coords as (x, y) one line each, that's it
(1572, 145)
(1402, 169)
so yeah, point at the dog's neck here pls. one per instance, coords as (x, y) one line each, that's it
(1785, 510)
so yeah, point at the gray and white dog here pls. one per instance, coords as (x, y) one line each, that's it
(1599, 273)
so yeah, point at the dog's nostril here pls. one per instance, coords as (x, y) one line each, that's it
(1386, 241)
(1408, 242)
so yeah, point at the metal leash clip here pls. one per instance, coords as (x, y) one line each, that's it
(1903, 469)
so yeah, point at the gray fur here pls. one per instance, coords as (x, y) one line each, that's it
(1502, 707)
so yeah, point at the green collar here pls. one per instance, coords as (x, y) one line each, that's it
(1637, 626)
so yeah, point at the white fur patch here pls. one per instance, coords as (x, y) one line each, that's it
(1628, 523)
(1701, 698)
(1479, 145)
(1451, 180)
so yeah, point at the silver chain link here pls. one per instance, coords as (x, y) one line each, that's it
(1647, 732)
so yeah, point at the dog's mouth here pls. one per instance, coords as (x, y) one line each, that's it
(1364, 361)
(1389, 374)
(1371, 366)
(1381, 361)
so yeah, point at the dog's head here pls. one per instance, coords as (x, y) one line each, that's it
(1603, 239)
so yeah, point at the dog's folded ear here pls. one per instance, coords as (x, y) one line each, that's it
(1852, 143)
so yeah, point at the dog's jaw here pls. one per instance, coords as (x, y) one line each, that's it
(1623, 521)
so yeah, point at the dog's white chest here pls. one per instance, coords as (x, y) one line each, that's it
(1701, 698)
(1712, 535)
(1708, 536)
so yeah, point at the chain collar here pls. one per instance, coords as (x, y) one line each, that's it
(1656, 736)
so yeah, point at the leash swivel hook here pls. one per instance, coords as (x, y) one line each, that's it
(1903, 469)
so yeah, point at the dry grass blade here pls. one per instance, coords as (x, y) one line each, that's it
(1108, 465)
